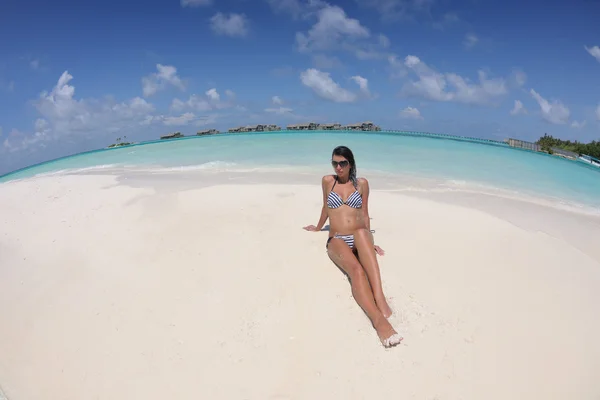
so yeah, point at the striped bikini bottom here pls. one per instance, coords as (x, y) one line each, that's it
(349, 239)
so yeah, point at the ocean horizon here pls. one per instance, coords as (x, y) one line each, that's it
(444, 161)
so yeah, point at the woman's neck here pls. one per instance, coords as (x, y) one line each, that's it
(343, 180)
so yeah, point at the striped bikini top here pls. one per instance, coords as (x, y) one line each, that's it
(334, 200)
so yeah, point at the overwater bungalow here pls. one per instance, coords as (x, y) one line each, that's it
(309, 126)
(362, 126)
(330, 127)
(207, 132)
(172, 135)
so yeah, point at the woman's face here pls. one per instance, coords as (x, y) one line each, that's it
(341, 166)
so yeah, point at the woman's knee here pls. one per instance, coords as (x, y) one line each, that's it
(355, 270)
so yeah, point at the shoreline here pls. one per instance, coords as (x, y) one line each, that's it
(405, 183)
(149, 286)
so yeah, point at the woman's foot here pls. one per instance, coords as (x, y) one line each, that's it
(387, 334)
(384, 307)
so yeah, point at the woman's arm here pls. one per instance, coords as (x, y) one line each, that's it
(365, 209)
(324, 215)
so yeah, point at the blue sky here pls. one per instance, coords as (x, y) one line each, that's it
(75, 75)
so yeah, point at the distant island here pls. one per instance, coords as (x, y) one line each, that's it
(588, 152)
(309, 126)
(548, 143)
(120, 142)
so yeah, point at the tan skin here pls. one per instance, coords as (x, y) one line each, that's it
(361, 263)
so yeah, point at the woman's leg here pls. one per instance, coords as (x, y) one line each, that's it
(342, 256)
(363, 240)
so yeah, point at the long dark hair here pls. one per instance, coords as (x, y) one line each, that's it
(345, 152)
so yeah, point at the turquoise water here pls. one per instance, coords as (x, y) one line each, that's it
(460, 162)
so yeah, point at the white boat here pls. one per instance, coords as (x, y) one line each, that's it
(589, 160)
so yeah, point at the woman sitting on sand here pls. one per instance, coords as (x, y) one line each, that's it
(350, 244)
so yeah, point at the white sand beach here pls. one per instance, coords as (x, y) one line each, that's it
(212, 290)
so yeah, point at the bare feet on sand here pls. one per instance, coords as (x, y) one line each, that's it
(384, 307)
(387, 334)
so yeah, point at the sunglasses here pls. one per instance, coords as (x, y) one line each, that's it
(342, 164)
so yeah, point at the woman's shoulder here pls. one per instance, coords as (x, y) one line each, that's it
(327, 179)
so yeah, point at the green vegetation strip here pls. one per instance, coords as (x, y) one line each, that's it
(591, 149)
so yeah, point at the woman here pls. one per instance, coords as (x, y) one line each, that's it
(350, 243)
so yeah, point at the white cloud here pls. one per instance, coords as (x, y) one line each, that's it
(331, 26)
(166, 75)
(325, 87)
(229, 25)
(578, 125)
(277, 100)
(518, 108)
(363, 84)
(63, 116)
(336, 31)
(411, 113)
(210, 101)
(213, 95)
(555, 112)
(470, 40)
(433, 85)
(279, 110)
(598, 112)
(594, 52)
(183, 119)
(195, 3)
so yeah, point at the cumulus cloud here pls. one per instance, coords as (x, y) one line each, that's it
(209, 102)
(276, 100)
(62, 115)
(518, 108)
(433, 85)
(325, 87)
(554, 112)
(363, 84)
(411, 113)
(578, 125)
(183, 119)
(594, 52)
(334, 30)
(166, 76)
(234, 25)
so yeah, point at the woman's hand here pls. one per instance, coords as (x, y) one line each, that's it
(379, 250)
(311, 228)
